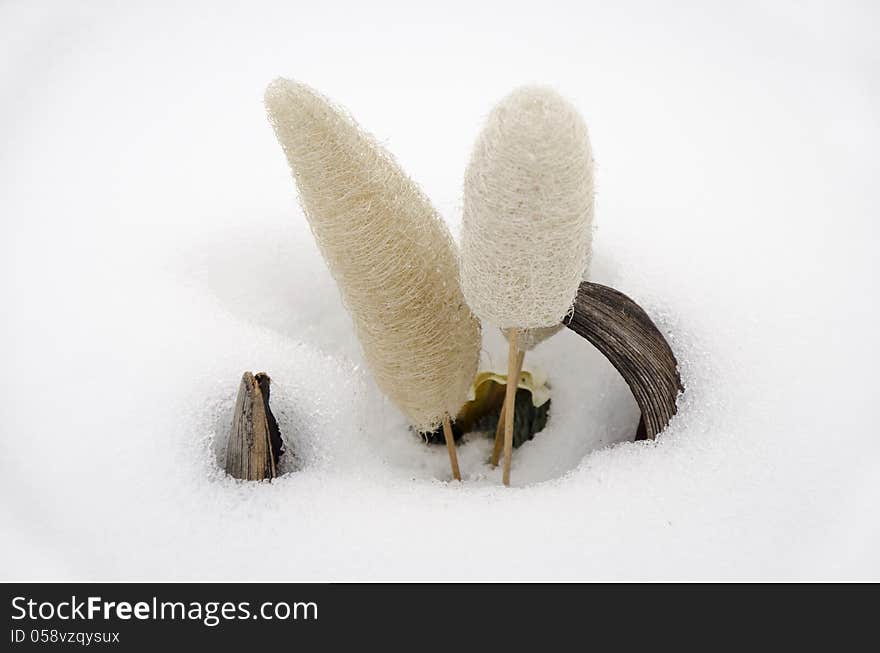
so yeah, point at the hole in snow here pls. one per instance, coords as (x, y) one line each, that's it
(591, 408)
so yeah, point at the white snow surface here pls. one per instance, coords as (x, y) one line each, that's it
(153, 249)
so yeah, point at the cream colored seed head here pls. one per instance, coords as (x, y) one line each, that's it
(392, 256)
(528, 211)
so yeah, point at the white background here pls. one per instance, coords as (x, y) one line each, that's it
(152, 249)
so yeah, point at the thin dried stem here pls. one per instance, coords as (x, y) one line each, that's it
(450, 447)
(499, 430)
(510, 403)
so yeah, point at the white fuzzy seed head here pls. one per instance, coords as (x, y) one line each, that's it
(528, 339)
(528, 211)
(391, 254)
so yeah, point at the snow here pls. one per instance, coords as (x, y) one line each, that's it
(152, 250)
